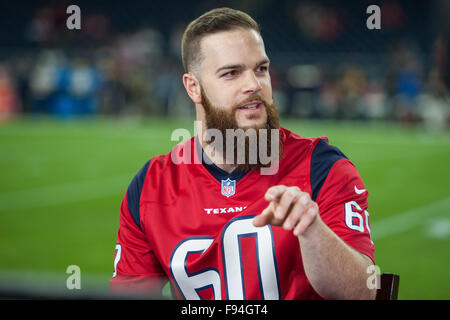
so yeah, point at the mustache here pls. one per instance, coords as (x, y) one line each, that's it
(253, 97)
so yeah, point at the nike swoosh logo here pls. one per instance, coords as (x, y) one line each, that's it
(359, 191)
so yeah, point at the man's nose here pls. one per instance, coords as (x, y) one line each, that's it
(251, 83)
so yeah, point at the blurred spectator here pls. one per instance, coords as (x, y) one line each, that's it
(167, 84)
(304, 81)
(21, 67)
(318, 22)
(434, 104)
(330, 95)
(408, 86)
(44, 80)
(324, 62)
(352, 85)
(375, 102)
(113, 96)
(84, 81)
(9, 105)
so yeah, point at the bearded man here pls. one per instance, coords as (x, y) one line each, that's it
(221, 227)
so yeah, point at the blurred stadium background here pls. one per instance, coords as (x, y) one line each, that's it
(82, 110)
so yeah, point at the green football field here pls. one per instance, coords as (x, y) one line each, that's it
(61, 184)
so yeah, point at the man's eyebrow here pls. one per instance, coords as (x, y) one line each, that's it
(230, 66)
(264, 61)
(241, 66)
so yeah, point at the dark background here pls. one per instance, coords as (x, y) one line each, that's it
(325, 62)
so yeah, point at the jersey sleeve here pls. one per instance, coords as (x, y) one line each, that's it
(343, 200)
(136, 269)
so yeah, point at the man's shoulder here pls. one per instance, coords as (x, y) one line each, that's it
(320, 155)
(297, 145)
(157, 173)
(319, 147)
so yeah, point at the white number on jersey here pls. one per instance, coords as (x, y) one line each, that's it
(232, 262)
(353, 219)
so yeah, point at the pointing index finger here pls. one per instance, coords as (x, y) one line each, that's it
(265, 217)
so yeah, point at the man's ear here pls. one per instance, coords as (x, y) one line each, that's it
(192, 86)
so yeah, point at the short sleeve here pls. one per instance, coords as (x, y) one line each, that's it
(136, 269)
(343, 206)
(339, 191)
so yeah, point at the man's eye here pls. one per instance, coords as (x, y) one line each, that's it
(262, 68)
(230, 74)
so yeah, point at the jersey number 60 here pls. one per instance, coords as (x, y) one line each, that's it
(190, 283)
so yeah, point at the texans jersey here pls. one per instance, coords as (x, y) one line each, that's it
(191, 223)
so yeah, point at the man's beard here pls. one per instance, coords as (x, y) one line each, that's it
(251, 147)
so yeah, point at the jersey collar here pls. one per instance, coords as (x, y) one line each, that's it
(218, 173)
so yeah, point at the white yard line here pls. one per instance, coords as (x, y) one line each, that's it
(409, 219)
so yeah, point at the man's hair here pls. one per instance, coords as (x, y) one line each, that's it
(216, 20)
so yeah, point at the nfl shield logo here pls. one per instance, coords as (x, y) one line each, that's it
(228, 187)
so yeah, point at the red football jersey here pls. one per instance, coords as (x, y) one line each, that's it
(192, 223)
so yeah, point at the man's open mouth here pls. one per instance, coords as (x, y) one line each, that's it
(250, 106)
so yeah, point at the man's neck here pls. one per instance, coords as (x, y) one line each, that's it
(217, 158)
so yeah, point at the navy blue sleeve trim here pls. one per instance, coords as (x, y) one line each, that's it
(134, 193)
(323, 158)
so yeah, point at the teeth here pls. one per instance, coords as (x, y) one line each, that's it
(251, 106)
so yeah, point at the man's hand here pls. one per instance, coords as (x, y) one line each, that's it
(289, 207)
(334, 269)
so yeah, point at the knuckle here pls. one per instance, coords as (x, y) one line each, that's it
(291, 193)
(315, 205)
(304, 200)
(311, 212)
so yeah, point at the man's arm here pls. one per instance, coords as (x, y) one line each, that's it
(334, 269)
